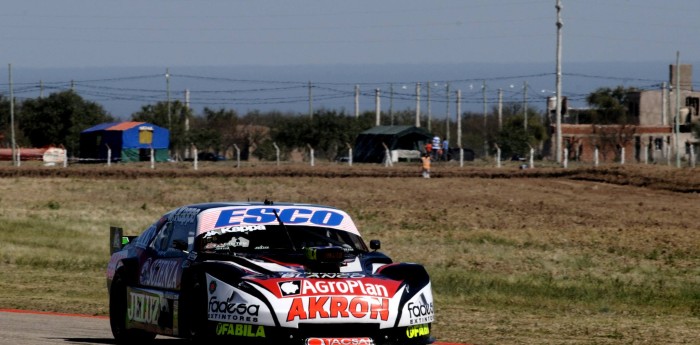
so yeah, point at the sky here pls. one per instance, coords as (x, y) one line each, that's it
(261, 54)
(98, 33)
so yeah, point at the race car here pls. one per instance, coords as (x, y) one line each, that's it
(264, 273)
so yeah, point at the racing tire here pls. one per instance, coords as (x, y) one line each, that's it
(118, 314)
(197, 311)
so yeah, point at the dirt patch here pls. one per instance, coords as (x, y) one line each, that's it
(685, 180)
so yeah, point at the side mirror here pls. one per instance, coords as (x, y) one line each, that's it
(375, 244)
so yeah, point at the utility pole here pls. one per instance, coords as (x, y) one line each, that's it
(459, 118)
(417, 104)
(430, 115)
(12, 117)
(664, 104)
(447, 111)
(357, 101)
(187, 120)
(486, 142)
(311, 102)
(525, 103)
(500, 109)
(167, 91)
(377, 107)
(559, 24)
(391, 103)
(677, 127)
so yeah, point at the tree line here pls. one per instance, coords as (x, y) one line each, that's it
(59, 118)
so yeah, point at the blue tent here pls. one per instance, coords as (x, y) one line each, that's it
(129, 141)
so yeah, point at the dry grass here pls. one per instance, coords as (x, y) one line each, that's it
(582, 256)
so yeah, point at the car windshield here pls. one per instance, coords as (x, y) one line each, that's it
(265, 238)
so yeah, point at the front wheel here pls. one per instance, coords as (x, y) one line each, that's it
(117, 316)
(195, 300)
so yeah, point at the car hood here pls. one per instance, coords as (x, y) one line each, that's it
(276, 294)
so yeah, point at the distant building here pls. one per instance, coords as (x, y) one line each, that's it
(649, 136)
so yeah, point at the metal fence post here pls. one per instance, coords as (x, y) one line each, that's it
(498, 156)
(196, 157)
(387, 156)
(277, 152)
(109, 155)
(311, 154)
(595, 158)
(622, 156)
(238, 156)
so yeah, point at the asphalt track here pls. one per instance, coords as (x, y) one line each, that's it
(19, 327)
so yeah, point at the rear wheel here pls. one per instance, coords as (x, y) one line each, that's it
(117, 315)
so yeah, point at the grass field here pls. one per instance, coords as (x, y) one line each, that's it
(604, 257)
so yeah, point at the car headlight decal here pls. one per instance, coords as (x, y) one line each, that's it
(419, 309)
(227, 303)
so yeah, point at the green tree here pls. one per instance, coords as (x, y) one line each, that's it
(612, 122)
(514, 139)
(609, 106)
(327, 132)
(5, 130)
(59, 119)
(215, 130)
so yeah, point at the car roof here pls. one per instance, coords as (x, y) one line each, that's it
(208, 205)
(215, 215)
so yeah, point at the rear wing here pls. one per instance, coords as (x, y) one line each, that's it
(117, 240)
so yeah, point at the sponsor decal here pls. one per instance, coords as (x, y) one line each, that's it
(309, 308)
(421, 312)
(262, 215)
(240, 330)
(212, 286)
(349, 275)
(143, 308)
(239, 242)
(236, 242)
(324, 287)
(187, 215)
(417, 331)
(290, 287)
(234, 229)
(161, 273)
(228, 310)
(339, 341)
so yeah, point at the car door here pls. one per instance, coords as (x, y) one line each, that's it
(162, 268)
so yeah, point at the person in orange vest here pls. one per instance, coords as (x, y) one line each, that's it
(426, 165)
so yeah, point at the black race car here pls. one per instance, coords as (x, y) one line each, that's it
(264, 273)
